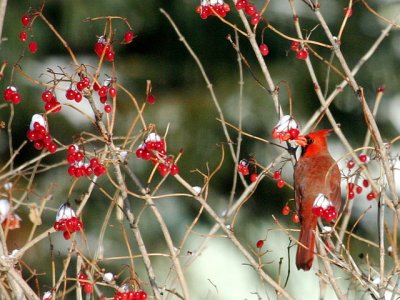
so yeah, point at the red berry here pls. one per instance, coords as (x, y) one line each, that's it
(110, 55)
(365, 183)
(317, 211)
(350, 195)
(174, 169)
(253, 177)
(80, 85)
(240, 4)
(88, 288)
(371, 196)
(33, 47)
(107, 108)
(280, 183)
(52, 147)
(78, 97)
(302, 54)
(359, 189)
(350, 186)
(150, 99)
(363, 158)
(16, 98)
(264, 49)
(94, 162)
(112, 92)
(295, 218)
(250, 9)
(348, 12)
(163, 169)
(260, 244)
(294, 133)
(66, 235)
(295, 46)
(23, 36)
(102, 91)
(70, 94)
(47, 96)
(25, 20)
(255, 18)
(277, 174)
(128, 37)
(285, 210)
(82, 277)
(350, 164)
(71, 149)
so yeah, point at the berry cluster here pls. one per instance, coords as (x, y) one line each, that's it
(102, 46)
(67, 221)
(286, 129)
(364, 158)
(250, 10)
(301, 52)
(154, 149)
(39, 135)
(130, 295)
(87, 287)
(351, 187)
(50, 100)
(23, 36)
(78, 168)
(103, 92)
(286, 211)
(280, 183)
(212, 8)
(243, 168)
(12, 95)
(324, 208)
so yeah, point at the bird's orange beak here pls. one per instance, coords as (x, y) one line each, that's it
(301, 140)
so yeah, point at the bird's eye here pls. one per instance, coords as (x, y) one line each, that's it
(309, 140)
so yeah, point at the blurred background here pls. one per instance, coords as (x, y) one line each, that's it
(185, 107)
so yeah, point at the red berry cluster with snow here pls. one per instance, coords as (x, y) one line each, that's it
(250, 10)
(78, 168)
(67, 221)
(286, 129)
(104, 91)
(243, 167)
(50, 101)
(154, 149)
(324, 208)
(102, 46)
(301, 52)
(11, 94)
(38, 134)
(212, 8)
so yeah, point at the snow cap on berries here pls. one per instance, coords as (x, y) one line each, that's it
(322, 201)
(37, 118)
(153, 137)
(65, 212)
(4, 209)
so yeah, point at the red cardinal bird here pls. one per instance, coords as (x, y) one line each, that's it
(314, 173)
